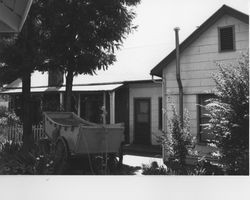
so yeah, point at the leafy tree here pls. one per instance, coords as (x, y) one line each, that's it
(20, 56)
(82, 35)
(229, 115)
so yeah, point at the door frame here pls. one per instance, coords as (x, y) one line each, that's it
(134, 116)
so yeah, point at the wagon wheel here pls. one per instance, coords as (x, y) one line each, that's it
(120, 155)
(113, 163)
(61, 156)
(97, 164)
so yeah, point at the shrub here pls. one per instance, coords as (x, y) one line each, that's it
(229, 115)
(155, 169)
(177, 142)
(14, 161)
(8, 117)
(205, 167)
(7, 120)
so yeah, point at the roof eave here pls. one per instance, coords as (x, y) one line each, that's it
(156, 72)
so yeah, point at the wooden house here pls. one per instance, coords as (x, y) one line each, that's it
(220, 39)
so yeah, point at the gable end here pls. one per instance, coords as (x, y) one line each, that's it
(224, 10)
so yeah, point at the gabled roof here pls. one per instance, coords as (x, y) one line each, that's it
(224, 10)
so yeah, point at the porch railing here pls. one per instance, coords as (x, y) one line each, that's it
(14, 132)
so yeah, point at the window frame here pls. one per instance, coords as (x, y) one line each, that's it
(219, 39)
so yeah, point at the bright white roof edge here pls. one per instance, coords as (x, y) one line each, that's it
(77, 88)
(40, 79)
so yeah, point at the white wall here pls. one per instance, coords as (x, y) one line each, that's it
(198, 62)
(145, 90)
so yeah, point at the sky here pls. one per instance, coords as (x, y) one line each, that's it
(154, 39)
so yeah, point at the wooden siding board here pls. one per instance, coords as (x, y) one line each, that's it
(198, 74)
(198, 62)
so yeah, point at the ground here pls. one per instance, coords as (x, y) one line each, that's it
(138, 161)
(132, 165)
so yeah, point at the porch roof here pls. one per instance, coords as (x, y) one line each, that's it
(75, 88)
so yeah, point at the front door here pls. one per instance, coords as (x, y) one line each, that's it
(142, 121)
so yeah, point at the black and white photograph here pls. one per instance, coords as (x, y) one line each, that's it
(114, 89)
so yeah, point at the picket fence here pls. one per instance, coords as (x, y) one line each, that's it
(15, 132)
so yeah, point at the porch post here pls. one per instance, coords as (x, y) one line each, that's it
(41, 101)
(112, 107)
(79, 105)
(104, 108)
(61, 100)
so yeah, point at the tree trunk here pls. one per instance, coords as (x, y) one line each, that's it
(69, 83)
(28, 139)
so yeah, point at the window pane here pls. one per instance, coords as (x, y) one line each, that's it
(143, 107)
(226, 39)
(142, 118)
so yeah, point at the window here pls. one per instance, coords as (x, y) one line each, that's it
(204, 133)
(160, 113)
(226, 39)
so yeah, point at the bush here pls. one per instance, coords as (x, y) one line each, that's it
(14, 161)
(177, 142)
(229, 115)
(155, 169)
(205, 167)
(7, 120)
(8, 117)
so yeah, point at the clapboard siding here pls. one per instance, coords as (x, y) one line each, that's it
(190, 107)
(147, 90)
(198, 61)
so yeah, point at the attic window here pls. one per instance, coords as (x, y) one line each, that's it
(226, 39)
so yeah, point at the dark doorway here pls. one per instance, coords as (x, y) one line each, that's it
(142, 121)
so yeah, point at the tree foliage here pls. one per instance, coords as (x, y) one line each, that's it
(81, 36)
(8, 117)
(21, 52)
(20, 56)
(229, 115)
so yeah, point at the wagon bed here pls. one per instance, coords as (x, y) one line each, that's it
(82, 136)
